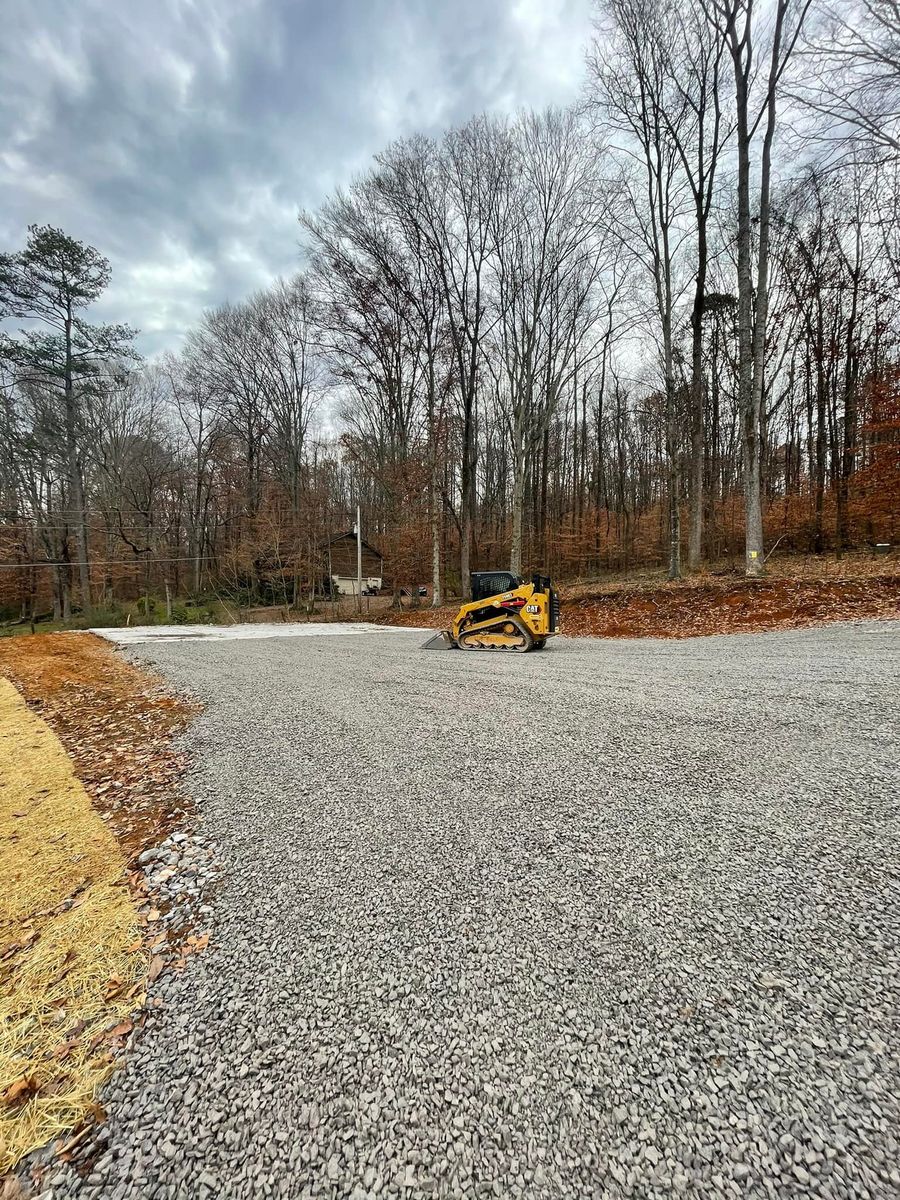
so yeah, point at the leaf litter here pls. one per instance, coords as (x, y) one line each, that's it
(702, 606)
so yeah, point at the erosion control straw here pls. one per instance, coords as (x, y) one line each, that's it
(72, 962)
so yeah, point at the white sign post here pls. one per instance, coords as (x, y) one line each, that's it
(358, 563)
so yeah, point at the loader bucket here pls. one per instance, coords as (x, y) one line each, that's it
(440, 641)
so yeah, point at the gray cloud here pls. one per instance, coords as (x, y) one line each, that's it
(181, 137)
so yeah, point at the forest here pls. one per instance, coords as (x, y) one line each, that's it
(658, 328)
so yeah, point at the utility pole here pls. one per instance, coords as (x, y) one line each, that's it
(358, 563)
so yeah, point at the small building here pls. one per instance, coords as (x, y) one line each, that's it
(339, 553)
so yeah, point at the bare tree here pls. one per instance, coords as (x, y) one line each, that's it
(454, 189)
(292, 376)
(632, 91)
(694, 64)
(548, 252)
(194, 415)
(851, 77)
(739, 23)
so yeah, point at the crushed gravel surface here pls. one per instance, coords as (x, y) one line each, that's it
(615, 919)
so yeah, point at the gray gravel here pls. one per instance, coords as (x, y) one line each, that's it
(617, 919)
(178, 874)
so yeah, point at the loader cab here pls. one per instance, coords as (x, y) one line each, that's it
(493, 583)
(504, 615)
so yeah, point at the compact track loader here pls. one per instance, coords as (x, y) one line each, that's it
(504, 614)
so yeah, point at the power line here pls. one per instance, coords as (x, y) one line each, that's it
(73, 514)
(109, 562)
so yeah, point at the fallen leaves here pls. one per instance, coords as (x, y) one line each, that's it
(114, 1036)
(16, 947)
(177, 953)
(30, 1087)
(702, 606)
(95, 1114)
(67, 965)
(21, 1090)
(114, 986)
(64, 1049)
(55, 1087)
(117, 726)
(120, 1031)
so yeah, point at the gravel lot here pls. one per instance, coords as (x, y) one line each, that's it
(618, 919)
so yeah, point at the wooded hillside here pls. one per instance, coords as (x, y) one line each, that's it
(659, 327)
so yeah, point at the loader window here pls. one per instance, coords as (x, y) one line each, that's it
(492, 583)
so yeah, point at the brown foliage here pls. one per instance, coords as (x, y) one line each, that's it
(733, 606)
(875, 493)
(706, 606)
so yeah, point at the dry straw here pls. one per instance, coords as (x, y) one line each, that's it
(71, 956)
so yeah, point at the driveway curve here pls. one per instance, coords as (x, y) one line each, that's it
(615, 920)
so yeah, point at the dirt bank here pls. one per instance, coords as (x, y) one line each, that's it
(708, 605)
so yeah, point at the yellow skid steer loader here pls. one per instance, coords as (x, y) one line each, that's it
(504, 614)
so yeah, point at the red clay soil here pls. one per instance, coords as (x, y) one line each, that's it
(697, 608)
(116, 723)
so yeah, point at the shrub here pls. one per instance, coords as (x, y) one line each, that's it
(192, 612)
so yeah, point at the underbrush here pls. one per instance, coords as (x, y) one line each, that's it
(144, 611)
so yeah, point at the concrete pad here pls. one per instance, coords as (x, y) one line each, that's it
(132, 635)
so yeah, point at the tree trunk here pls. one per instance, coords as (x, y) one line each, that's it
(76, 482)
(435, 551)
(542, 519)
(671, 451)
(851, 417)
(821, 431)
(465, 544)
(434, 487)
(518, 503)
(747, 393)
(695, 538)
(58, 593)
(714, 467)
(467, 496)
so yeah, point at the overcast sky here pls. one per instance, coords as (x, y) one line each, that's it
(181, 137)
